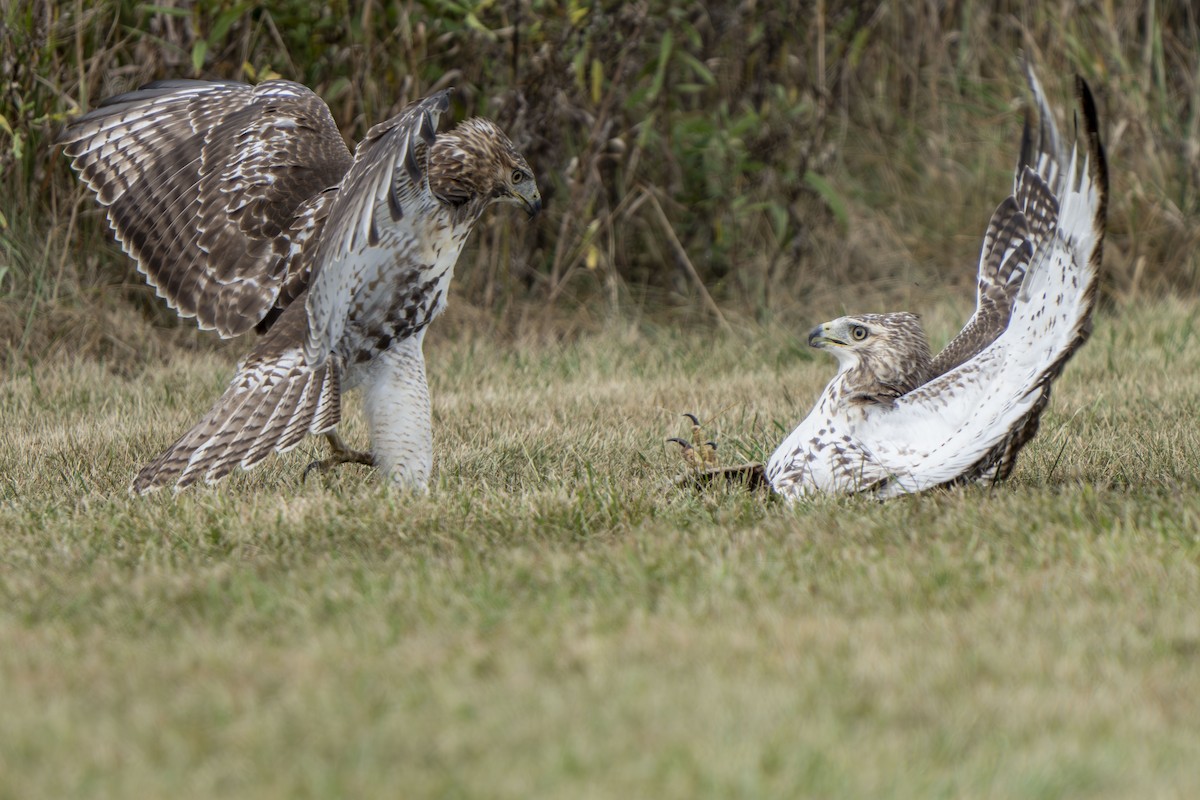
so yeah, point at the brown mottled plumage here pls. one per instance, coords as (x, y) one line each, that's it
(243, 208)
(887, 355)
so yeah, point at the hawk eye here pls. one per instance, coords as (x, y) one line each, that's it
(518, 176)
(858, 332)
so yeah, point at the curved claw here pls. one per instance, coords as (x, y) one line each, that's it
(350, 457)
(341, 454)
(322, 466)
(693, 459)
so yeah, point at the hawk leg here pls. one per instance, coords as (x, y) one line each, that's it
(340, 453)
(701, 459)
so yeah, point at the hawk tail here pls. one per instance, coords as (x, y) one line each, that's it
(269, 407)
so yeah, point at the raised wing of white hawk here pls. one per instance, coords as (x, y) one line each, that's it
(244, 209)
(894, 420)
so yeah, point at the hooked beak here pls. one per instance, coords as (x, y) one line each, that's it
(820, 337)
(532, 202)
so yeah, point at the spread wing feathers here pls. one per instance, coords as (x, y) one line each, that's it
(1003, 262)
(374, 187)
(202, 182)
(988, 407)
(1021, 224)
(276, 399)
(998, 464)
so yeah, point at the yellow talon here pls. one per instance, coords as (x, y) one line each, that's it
(340, 454)
(697, 454)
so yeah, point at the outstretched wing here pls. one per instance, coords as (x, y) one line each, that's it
(276, 399)
(958, 424)
(1042, 214)
(1002, 265)
(1020, 225)
(385, 184)
(213, 188)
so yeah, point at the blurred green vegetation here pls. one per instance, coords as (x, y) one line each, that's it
(781, 158)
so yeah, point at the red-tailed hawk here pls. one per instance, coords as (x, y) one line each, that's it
(244, 208)
(896, 420)
(893, 420)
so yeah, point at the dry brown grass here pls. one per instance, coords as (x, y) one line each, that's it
(550, 621)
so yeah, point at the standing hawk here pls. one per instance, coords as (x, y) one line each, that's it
(244, 208)
(896, 420)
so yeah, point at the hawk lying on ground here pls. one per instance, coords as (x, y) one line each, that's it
(894, 420)
(244, 208)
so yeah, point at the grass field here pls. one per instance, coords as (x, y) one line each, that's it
(552, 621)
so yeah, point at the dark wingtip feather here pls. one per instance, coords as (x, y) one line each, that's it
(1028, 153)
(428, 128)
(395, 209)
(1099, 163)
(410, 163)
(441, 100)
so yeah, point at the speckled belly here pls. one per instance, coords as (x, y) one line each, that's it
(414, 304)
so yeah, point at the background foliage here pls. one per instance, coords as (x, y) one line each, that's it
(721, 160)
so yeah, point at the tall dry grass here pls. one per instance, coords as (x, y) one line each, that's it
(699, 160)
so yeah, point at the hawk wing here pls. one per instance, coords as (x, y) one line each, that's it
(376, 185)
(1018, 227)
(287, 387)
(957, 425)
(213, 188)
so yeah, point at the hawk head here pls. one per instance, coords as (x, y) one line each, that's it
(476, 165)
(879, 355)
